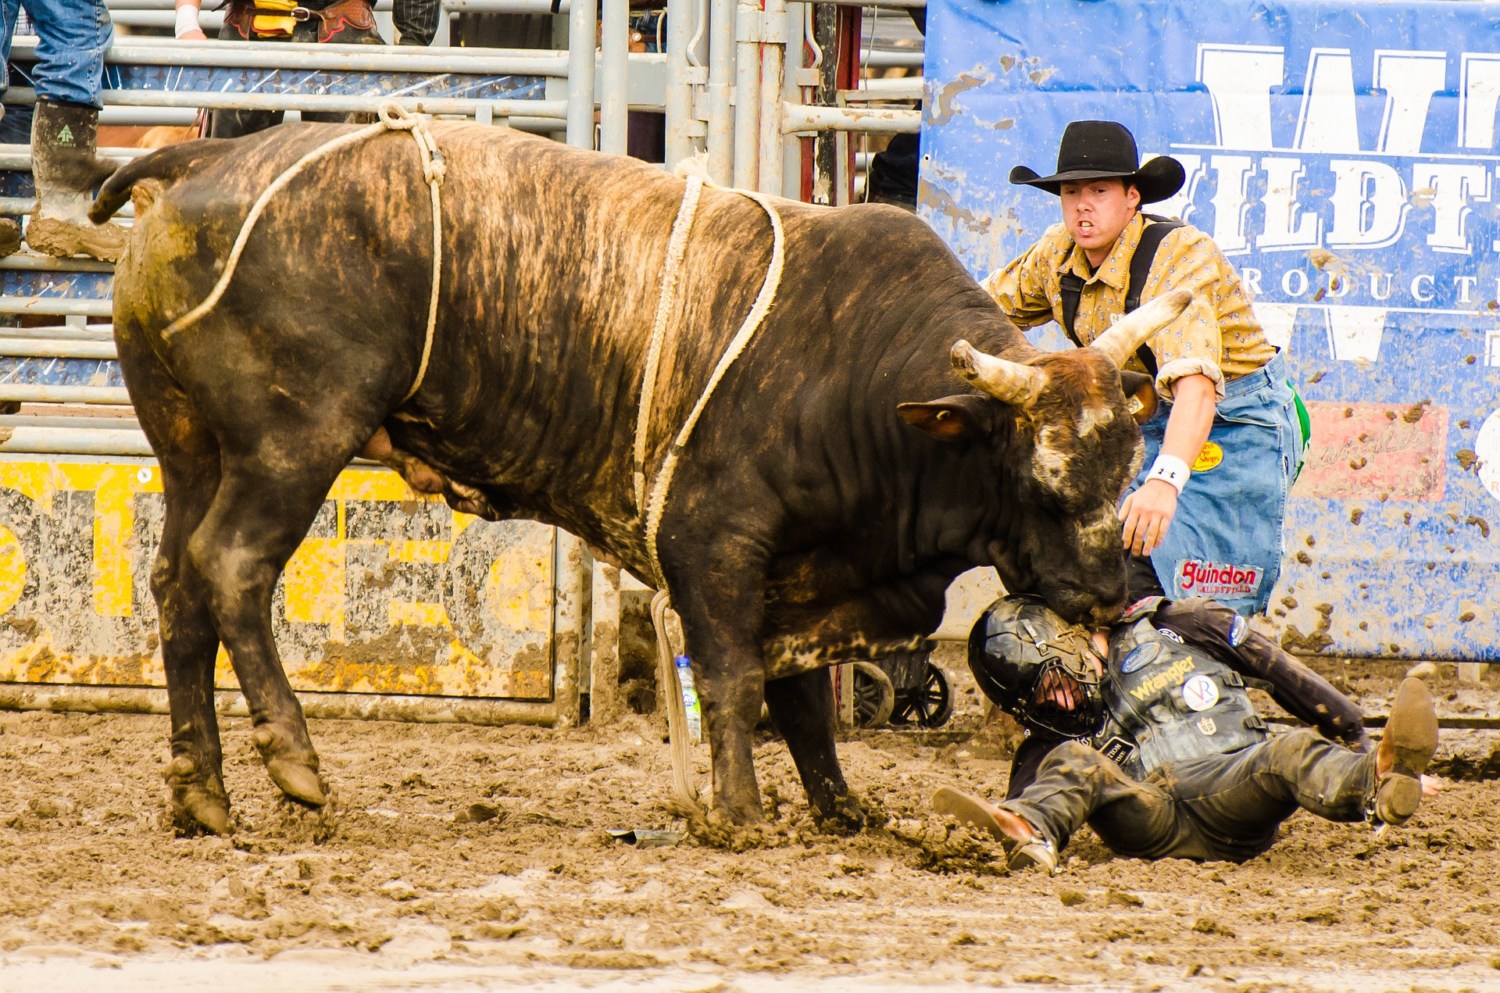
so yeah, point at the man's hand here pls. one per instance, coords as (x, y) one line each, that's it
(1147, 513)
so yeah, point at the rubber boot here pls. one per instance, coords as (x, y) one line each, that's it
(66, 168)
(10, 236)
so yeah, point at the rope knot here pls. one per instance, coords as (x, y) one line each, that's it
(396, 117)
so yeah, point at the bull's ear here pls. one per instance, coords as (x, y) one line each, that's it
(954, 418)
(1140, 394)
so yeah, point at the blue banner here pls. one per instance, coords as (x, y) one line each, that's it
(1345, 158)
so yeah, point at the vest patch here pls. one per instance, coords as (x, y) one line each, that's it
(1200, 692)
(1140, 656)
(1239, 630)
(1207, 725)
(1118, 750)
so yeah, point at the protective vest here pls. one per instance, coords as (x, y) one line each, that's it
(1166, 701)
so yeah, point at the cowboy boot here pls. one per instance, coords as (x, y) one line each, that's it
(66, 169)
(1405, 750)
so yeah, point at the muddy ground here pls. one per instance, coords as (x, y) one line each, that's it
(462, 857)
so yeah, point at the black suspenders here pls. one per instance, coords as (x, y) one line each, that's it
(1140, 266)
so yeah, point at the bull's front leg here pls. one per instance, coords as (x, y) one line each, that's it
(722, 634)
(731, 695)
(802, 708)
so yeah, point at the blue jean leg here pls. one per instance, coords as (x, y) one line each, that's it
(72, 37)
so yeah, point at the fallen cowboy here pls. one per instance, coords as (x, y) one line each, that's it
(772, 410)
(1153, 740)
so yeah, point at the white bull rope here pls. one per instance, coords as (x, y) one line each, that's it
(393, 117)
(655, 506)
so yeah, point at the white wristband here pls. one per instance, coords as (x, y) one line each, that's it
(187, 20)
(1170, 469)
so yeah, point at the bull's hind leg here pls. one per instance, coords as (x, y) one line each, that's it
(258, 518)
(189, 645)
(802, 709)
(189, 460)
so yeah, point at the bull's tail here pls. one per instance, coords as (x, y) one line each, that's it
(166, 164)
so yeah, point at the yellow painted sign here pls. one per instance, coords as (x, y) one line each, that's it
(389, 593)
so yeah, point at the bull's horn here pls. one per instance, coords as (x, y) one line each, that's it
(1131, 331)
(1006, 381)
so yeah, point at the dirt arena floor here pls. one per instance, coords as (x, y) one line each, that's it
(465, 858)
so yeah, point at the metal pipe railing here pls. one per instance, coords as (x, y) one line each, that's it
(580, 104)
(311, 56)
(772, 97)
(534, 112)
(805, 119)
(721, 50)
(614, 81)
(747, 31)
(74, 441)
(55, 305)
(36, 393)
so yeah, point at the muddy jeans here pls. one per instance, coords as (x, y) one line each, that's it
(1216, 808)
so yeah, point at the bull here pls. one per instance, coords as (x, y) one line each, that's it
(840, 476)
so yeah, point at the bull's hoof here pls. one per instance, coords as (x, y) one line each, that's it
(846, 815)
(294, 771)
(197, 804)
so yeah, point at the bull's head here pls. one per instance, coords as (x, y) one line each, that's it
(1066, 445)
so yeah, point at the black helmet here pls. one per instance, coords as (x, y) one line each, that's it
(1020, 651)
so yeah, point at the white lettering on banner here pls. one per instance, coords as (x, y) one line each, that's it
(1409, 79)
(1329, 121)
(1369, 204)
(1478, 94)
(1370, 199)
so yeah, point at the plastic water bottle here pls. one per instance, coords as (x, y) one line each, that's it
(690, 698)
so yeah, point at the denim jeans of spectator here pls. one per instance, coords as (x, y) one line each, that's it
(72, 36)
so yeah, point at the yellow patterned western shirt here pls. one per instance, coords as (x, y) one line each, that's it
(1217, 336)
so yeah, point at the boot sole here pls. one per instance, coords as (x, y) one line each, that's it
(1412, 728)
(975, 812)
(1023, 850)
(1412, 733)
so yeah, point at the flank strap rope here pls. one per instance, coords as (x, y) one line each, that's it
(653, 499)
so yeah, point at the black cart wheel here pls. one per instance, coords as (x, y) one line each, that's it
(929, 705)
(874, 695)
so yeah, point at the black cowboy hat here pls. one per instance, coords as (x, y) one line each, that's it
(1104, 149)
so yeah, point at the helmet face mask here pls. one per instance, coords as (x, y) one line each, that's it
(1037, 667)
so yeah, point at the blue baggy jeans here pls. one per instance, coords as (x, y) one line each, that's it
(72, 36)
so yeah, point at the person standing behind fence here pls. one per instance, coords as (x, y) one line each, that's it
(344, 22)
(72, 37)
(1206, 515)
